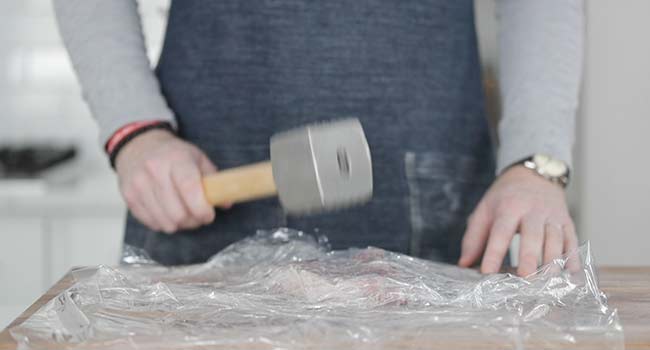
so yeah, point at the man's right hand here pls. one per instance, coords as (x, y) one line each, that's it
(160, 179)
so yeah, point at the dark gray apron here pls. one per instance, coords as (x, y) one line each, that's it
(235, 72)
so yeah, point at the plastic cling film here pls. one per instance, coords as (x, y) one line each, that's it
(283, 289)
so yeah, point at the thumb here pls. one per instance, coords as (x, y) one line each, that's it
(476, 234)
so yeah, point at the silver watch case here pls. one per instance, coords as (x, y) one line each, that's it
(549, 168)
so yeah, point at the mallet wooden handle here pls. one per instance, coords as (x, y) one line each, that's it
(240, 184)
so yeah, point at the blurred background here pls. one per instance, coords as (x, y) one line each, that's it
(59, 203)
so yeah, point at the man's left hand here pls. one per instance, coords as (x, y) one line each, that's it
(519, 201)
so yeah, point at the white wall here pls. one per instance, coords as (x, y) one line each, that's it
(614, 143)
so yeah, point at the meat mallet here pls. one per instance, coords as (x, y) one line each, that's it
(313, 168)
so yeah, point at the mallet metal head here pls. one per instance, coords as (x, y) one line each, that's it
(322, 166)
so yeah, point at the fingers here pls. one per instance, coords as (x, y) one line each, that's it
(149, 201)
(187, 181)
(180, 192)
(570, 246)
(134, 195)
(553, 242)
(167, 197)
(570, 238)
(501, 233)
(141, 213)
(531, 244)
(475, 237)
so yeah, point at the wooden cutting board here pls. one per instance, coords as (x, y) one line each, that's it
(627, 288)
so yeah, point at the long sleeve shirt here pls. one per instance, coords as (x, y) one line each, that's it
(540, 44)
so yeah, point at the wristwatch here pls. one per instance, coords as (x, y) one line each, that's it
(548, 167)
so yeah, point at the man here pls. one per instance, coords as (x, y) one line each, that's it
(234, 72)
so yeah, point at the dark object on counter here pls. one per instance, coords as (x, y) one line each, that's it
(31, 161)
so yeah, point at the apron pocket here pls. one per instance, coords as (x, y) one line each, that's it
(443, 190)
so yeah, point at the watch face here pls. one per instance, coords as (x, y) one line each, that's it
(549, 166)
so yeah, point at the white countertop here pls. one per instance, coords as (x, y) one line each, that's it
(95, 193)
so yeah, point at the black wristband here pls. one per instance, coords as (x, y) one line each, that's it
(118, 147)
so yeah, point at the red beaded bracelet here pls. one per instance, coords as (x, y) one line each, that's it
(129, 131)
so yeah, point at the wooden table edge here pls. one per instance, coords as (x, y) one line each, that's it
(8, 343)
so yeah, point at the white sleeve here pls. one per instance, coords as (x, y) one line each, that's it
(106, 45)
(540, 68)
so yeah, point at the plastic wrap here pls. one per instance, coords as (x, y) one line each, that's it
(284, 289)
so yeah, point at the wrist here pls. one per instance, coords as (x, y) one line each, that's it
(139, 145)
(544, 166)
(126, 134)
(521, 174)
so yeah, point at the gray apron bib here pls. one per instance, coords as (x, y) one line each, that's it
(235, 72)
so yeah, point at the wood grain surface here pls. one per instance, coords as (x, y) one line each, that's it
(627, 289)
